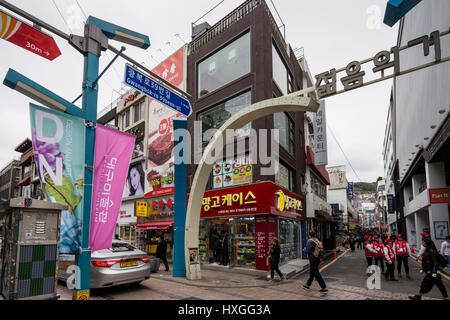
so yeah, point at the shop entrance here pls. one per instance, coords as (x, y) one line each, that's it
(147, 240)
(239, 246)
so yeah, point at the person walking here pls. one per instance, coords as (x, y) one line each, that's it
(215, 246)
(224, 248)
(274, 260)
(445, 250)
(430, 266)
(352, 242)
(402, 252)
(161, 252)
(378, 247)
(389, 259)
(359, 241)
(314, 248)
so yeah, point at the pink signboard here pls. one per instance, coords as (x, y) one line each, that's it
(112, 157)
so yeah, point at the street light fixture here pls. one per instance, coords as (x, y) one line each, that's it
(115, 32)
(31, 89)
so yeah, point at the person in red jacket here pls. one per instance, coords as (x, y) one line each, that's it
(402, 251)
(379, 253)
(368, 250)
(389, 259)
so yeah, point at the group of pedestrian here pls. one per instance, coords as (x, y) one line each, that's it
(395, 250)
(389, 251)
(218, 244)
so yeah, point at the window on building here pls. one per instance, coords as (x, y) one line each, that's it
(139, 111)
(224, 66)
(26, 170)
(281, 75)
(215, 117)
(285, 125)
(125, 119)
(285, 177)
(318, 187)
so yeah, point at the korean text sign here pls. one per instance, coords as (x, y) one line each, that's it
(58, 144)
(112, 157)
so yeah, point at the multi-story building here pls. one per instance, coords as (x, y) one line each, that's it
(390, 168)
(381, 206)
(29, 184)
(9, 177)
(421, 139)
(240, 60)
(338, 196)
(318, 211)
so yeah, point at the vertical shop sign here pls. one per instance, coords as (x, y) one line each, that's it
(320, 136)
(58, 144)
(112, 155)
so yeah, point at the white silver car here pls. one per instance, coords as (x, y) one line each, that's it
(121, 264)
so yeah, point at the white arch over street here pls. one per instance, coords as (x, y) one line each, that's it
(297, 101)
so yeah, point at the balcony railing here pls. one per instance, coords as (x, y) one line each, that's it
(238, 14)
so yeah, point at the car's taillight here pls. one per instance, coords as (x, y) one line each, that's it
(145, 259)
(104, 263)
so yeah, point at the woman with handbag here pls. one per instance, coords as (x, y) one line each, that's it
(431, 264)
(274, 260)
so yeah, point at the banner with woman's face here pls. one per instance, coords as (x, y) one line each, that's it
(135, 182)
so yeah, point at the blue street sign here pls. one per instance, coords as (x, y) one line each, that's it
(154, 90)
(397, 9)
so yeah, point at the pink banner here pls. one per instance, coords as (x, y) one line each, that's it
(112, 157)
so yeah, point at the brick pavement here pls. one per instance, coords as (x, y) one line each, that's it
(222, 285)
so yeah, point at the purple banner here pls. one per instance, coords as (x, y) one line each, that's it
(112, 157)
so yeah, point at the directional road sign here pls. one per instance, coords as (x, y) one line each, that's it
(27, 37)
(154, 90)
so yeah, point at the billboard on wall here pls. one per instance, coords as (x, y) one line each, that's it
(232, 172)
(58, 144)
(160, 169)
(337, 176)
(135, 182)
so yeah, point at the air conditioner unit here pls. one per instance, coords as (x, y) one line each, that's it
(304, 188)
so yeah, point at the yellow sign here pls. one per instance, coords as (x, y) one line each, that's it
(141, 208)
(242, 175)
(81, 295)
(286, 202)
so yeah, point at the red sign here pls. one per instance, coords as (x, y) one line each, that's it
(253, 199)
(27, 37)
(266, 228)
(441, 195)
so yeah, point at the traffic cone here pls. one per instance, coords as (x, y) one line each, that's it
(334, 254)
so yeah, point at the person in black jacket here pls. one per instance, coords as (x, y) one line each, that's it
(430, 267)
(274, 260)
(161, 252)
(224, 248)
(314, 263)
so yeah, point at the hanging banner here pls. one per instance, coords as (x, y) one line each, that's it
(160, 169)
(58, 144)
(112, 157)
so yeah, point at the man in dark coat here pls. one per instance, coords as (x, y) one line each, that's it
(161, 251)
(224, 249)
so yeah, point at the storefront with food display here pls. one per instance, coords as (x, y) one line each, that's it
(252, 215)
(155, 219)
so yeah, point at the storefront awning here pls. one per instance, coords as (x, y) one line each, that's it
(23, 181)
(154, 225)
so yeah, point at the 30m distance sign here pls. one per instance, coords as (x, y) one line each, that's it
(154, 90)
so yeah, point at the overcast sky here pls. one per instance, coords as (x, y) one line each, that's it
(332, 33)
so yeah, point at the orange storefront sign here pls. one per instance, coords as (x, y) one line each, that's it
(441, 195)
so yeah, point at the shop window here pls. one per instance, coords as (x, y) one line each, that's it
(285, 125)
(215, 117)
(128, 234)
(224, 66)
(245, 242)
(289, 239)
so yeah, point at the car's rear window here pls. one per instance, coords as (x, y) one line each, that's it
(121, 247)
